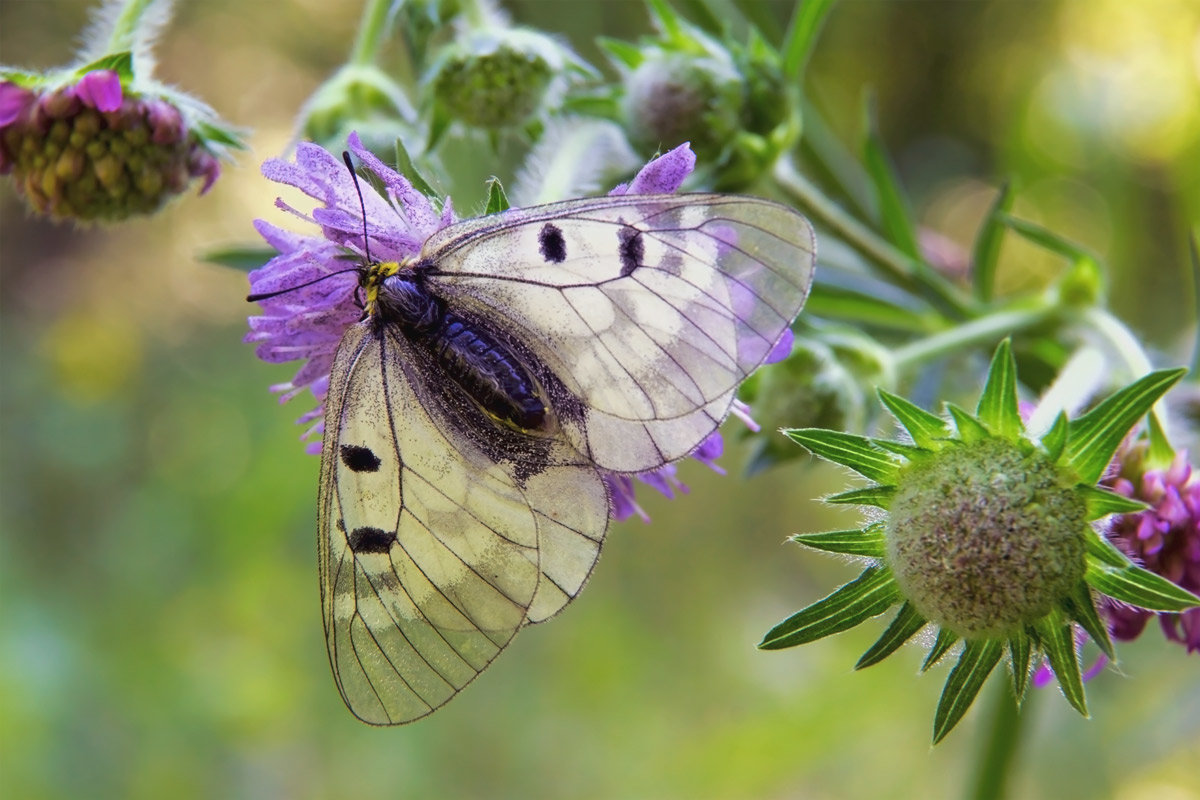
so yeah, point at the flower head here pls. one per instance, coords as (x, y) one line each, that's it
(307, 293)
(987, 537)
(1164, 538)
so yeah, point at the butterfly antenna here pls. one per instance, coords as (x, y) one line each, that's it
(362, 205)
(254, 298)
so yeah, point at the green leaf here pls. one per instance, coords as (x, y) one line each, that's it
(986, 251)
(878, 496)
(927, 430)
(241, 258)
(625, 53)
(1159, 453)
(1046, 238)
(1055, 439)
(970, 429)
(1058, 643)
(1194, 252)
(909, 451)
(893, 207)
(807, 19)
(904, 626)
(120, 63)
(666, 20)
(976, 662)
(1139, 587)
(211, 133)
(497, 200)
(945, 640)
(406, 167)
(1103, 551)
(26, 80)
(1080, 606)
(868, 541)
(1101, 502)
(997, 407)
(1094, 437)
(1018, 663)
(870, 594)
(848, 449)
(849, 305)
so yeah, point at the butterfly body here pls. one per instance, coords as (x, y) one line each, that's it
(495, 380)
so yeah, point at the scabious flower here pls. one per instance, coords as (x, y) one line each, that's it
(104, 141)
(1164, 538)
(308, 291)
(987, 536)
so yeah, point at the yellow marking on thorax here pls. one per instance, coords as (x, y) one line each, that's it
(377, 272)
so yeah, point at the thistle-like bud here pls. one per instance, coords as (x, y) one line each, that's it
(729, 99)
(497, 78)
(985, 537)
(104, 141)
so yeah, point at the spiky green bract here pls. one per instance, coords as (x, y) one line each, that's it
(987, 537)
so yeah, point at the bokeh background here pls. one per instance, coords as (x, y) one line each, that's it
(159, 624)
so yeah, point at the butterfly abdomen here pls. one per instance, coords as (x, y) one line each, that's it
(473, 358)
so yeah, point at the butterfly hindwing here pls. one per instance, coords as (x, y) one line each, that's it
(436, 546)
(651, 310)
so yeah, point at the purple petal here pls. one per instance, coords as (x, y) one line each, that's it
(782, 348)
(663, 175)
(100, 89)
(14, 102)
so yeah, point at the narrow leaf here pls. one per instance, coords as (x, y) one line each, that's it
(1094, 437)
(120, 63)
(1018, 663)
(243, 259)
(969, 429)
(870, 594)
(1055, 439)
(997, 407)
(878, 496)
(927, 430)
(625, 53)
(909, 451)
(868, 541)
(976, 662)
(945, 640)
(893, 207)
(848, 449)
(1046, 238)
(985, 253)
(406, 167)
(842, 303)
(497, 200)
(1080, 606)
(1139, 587)
(807, 19)
(1159, 453)
(904, 626)
(1058, 643)
(1101, 502)
(1101, 549)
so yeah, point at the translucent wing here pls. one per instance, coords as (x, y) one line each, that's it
(441, 531)
(649, 309)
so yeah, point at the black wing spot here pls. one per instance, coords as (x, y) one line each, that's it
(632, 249)
(359, 459)
(552, 244)
(371, 540)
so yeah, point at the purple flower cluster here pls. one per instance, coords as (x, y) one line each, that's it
(1164, 539)
(92, 150)
(306, 322)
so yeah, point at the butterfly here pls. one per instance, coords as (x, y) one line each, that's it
(492, 382)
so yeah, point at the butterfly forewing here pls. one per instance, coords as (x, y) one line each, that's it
(650, 310)
(434, 549)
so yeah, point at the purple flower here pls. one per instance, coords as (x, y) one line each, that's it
(95, 150)
(314, 286)
(1165, 539)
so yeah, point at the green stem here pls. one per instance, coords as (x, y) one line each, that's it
(895, 265)
(1120, 339)
(124, 30)
(981, 330)
(999, 750)
(372, 30)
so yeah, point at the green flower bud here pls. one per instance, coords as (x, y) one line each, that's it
(983, 537)
(491, 79)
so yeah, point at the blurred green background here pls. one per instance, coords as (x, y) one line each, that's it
(159, 628)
